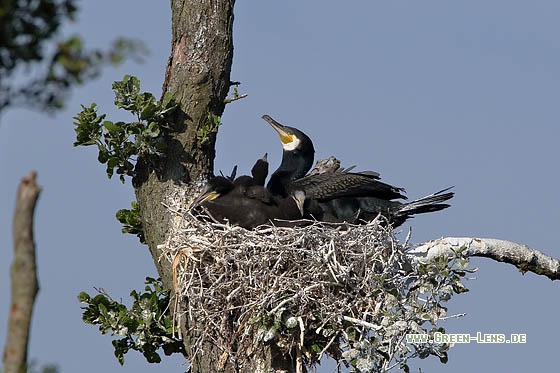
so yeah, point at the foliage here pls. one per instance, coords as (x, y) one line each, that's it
(146, 327)
(413, 306)
(120, 142)
(27, 28)
(131, 221)
(214, 122)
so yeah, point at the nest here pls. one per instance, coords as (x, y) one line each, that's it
(316, 289)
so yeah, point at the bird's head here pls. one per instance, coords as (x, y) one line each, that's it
(291, 137)
(298, 148)
(214, 188)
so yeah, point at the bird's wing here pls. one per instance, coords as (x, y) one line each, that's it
(345, 184)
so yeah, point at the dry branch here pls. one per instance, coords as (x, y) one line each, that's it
(235, 98)
(521, 256)
(23, 276)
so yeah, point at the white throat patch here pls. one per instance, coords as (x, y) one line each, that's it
(292, 145)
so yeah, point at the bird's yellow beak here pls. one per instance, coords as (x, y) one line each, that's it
(204, 197)
(210, 196)
(285, 137)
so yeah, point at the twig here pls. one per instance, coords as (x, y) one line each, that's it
(301, 330)
(234, 98)
(361, 322)
(327, 346)
(452, 316)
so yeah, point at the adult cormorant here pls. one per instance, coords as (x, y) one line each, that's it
(246, 202)
(341, 195)
(297, 159)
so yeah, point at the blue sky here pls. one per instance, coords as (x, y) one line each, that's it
(430, 94)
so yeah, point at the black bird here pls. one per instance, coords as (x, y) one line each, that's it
(338, 196)
(246, 202)
(362, 209)
(297, 158)
(253, 186)
(259, 172)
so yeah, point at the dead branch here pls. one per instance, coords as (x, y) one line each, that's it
(23, 275)
(234, 98)
(521, 256)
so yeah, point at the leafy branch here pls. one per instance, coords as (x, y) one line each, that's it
(119, 143)
(130, 219)
(214, 122)
(146, 327)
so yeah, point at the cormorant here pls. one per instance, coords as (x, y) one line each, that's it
(246, 202)
(259, 172)
(297, 159)
(340, 195)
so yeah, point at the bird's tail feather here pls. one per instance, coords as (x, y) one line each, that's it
(430, 203)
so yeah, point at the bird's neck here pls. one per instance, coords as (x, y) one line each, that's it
(278, 183)
(291, 168)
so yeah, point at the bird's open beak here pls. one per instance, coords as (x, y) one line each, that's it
(285, 137)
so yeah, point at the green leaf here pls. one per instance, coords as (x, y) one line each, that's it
(121, 348)
(147, 112)
(152, 130)
(113, 162)
(84, 297)
(88, 128)
(103, 156)
(112, 127)
(316, 348)
(109, 171)
(168, 102)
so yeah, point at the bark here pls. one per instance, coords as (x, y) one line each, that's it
(521, 256)
(23, 276)
(198, 76)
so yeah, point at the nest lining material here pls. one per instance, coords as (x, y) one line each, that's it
(315, 280)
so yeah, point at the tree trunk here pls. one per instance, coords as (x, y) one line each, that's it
(23, 276)
(198, 76)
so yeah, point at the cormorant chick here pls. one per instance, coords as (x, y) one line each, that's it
(246, 202)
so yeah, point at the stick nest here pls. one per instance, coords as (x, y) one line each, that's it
(315, 289)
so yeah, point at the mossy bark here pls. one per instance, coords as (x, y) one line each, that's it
(198, 76)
